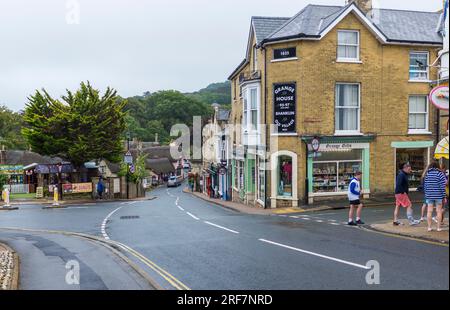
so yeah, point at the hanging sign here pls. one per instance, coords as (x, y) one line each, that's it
(439, 97)
(285, 107)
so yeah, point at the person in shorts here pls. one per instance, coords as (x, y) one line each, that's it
(402, 195)
(354, 196)
(435, 192)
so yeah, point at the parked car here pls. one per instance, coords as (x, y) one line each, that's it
(173, 182)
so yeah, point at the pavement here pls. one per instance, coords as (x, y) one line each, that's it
(183, 242)
(9, 268)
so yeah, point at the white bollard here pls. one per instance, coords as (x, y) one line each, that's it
(55, 197)
(6, 198)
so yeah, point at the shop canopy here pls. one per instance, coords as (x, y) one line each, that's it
(442, 149)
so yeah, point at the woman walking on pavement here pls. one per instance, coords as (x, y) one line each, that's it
(402, 195)
(435, 186)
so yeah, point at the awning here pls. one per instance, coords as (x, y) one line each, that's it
(442, 149)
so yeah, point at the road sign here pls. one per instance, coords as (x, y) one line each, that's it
(128, 158)
(132, 169)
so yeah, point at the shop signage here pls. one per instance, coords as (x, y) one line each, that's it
(67, 188)
(285, 107)
(81, 188)
(439, 97)
(342, 147)
(223, 171)
(315, 144)
(39, 192)
(284, 53)
(7, 169)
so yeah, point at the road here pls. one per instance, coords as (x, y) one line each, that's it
(183, 242)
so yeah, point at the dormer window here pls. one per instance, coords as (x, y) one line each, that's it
(348, 46)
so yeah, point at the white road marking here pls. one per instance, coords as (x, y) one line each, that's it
(306, 219)
(294, 217)
(193, 216)
(103, 227)
(335, 224)
(319, 221)
(179, 207)
(221, 227)
(316, 254)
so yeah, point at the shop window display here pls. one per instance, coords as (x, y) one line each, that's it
(333, 171)
(285, 176)
(417, 158)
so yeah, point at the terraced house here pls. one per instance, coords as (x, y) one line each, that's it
(345, 88)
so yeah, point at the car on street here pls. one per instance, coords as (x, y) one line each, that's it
(173, 182)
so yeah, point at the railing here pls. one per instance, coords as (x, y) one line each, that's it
(18, 188)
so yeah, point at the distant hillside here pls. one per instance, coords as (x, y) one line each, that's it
(214, 93)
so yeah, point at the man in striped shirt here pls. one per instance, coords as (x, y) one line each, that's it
(435, 186)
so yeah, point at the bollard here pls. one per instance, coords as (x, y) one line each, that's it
(6, 198)
(55, 197)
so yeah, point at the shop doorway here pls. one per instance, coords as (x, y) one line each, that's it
(418, 159)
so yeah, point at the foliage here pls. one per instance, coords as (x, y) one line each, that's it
(10, 126)
(3, 181)
(156, 114)
(83, 126)
(215, 93)
(140, 172)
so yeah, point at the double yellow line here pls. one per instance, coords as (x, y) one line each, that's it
(177, 284)
(164, 274)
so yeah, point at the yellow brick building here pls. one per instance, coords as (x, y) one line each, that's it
(345, 89)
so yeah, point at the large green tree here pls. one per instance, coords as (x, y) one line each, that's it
(80, 127)
(10, 126)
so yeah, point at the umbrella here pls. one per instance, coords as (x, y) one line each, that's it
(442, 149)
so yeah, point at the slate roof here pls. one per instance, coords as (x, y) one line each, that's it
(408, 25)
(264, 26)
(396, 25)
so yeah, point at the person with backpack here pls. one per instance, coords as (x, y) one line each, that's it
(435, 193)
(354, 196)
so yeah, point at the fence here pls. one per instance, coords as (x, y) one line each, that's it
(18, 188)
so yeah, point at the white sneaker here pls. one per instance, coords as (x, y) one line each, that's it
(430, 229)
(414, 223)
(439, 229)
(435, 220)
(423, 219)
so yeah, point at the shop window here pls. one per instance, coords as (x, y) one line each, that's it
(418, 66)
(347, 108)
(348, 45)
(285, 176)
(418, 160)
(333, 171)
(261, 179)
(418, 113)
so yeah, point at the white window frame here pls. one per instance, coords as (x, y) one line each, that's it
(423, 80)
(260, 171)
(255, 58)
(336, 106)
(427, 117)
(358, 47)
(247, 123)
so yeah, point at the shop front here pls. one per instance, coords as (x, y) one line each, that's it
(333, 162)
(417, 154)
(15, 173)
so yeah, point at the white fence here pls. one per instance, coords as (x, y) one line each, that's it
(18, 188)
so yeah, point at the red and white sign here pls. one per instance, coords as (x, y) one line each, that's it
(439, 97)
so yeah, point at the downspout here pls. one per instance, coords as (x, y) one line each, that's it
(266, 129)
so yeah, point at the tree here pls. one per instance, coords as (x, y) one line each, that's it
(80, 127)
(10, 127)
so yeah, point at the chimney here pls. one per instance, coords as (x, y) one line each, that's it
(364, 5)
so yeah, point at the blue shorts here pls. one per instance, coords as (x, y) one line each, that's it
(434, 202)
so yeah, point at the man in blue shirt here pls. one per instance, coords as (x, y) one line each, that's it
(354, 196)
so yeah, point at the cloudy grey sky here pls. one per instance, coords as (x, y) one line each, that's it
(132, 45)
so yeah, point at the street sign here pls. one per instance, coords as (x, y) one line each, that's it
(128, 158)
(132, 169)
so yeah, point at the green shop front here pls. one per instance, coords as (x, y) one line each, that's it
(332, 163)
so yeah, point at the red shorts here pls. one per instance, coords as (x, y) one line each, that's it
(402, 200)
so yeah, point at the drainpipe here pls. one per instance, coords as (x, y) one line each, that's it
(266, 129)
